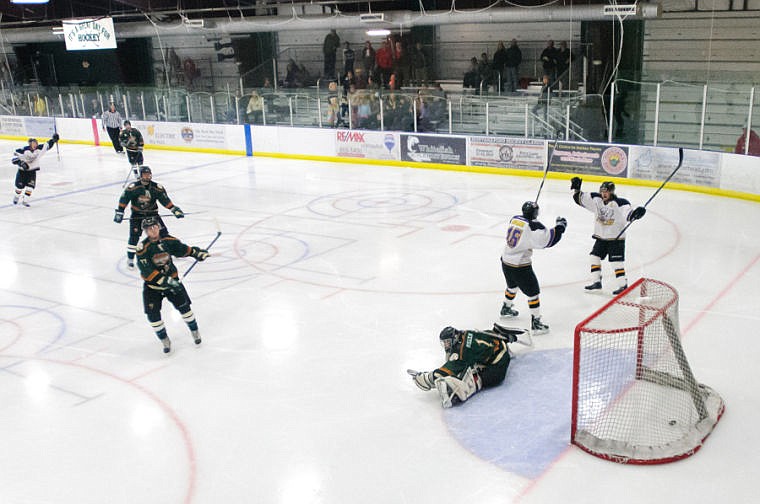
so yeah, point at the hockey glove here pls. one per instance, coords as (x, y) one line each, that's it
(575, 183)
(173, 284)
(22, 164)
(637, 213)
(178, 213)
(199, 253)
(561, 222)
(118, 216)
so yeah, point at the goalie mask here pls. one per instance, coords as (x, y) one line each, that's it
(449, 338)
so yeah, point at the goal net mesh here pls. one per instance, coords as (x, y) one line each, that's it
(635, 399)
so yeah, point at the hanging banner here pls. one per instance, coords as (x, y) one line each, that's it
(89, 34)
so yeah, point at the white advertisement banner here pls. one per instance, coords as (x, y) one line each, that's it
(505, 152)
(194, 135)
(700, 168)
(89, 34)
(10, 125)
(367, 144)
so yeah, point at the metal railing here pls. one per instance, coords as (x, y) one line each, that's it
(667, 113)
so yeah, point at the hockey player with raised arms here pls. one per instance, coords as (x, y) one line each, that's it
(161, 280)
(525, 233)
(27, 159)
(474, 359)
(612, 213)
(143, 197)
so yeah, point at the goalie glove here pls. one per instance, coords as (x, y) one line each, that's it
(118, 216)
(199, 253)
(178, 213)
(423, 379)
(637, 213)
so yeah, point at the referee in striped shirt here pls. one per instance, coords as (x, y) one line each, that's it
(112, 124)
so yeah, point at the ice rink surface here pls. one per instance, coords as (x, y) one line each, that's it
(328, 282)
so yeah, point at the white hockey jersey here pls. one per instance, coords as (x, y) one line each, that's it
(611, 217)
(31, 157)
(523, 236)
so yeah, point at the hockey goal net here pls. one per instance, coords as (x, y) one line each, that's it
(635, 399)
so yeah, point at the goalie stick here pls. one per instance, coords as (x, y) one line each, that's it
(678, 167)
(218, 234)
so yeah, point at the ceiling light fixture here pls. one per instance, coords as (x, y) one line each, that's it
(378, 33)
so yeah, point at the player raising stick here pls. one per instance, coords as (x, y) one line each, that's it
(161, 280)
(144, 197)
(612, 213)
(27, 159)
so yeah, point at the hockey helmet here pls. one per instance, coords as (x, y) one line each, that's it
(607, 186)
(32, 140)
(127, 123)
(149, 221)
(530, 210)
(145, 169)
(448, 337)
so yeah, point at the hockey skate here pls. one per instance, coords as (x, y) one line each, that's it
(15, 199)
(131, 264)
(538, 327)
(619, 290)
(167, 344)
(594, 286)
(508, 311)
(25, 203)
(196, 336)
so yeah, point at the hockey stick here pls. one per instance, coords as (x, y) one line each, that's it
(546, 169)
(218, 234)
(678, 167)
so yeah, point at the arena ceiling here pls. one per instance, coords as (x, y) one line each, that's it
(15, 15)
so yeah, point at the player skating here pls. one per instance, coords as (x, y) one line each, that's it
(131, 139)
(612, 213)
(27, 159)
(474, 359)
(143, 197)
(161, 280)
(525, 233)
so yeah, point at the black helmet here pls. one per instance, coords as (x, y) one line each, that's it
(127, 123)
(448, 336)
(32, 140)
(145, 169)
(148, 222)
(530, 210)
(607, 186)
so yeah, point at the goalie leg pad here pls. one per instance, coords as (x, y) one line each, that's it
(454, 390)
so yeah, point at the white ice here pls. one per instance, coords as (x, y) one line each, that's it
(328, 282)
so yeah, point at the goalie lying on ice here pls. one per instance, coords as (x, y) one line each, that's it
(474, 359)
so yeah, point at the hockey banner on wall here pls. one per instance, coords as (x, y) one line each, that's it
(89, 34)
(434, 149)
(591, 159)
(700, 168)
(367, 144)
(504, 152)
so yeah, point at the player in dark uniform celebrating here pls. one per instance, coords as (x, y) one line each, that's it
(131, 139)
(27, 159)
(161, 280)
(144, 197)
(611, 213)
(474, 359)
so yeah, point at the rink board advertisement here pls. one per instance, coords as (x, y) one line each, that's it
(504, 152)
(367, 144)
(700, 168)
(27, 126)
(208, 136)
(589, 158)
(434, 149)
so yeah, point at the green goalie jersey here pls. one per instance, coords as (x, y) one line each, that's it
(476, 349)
